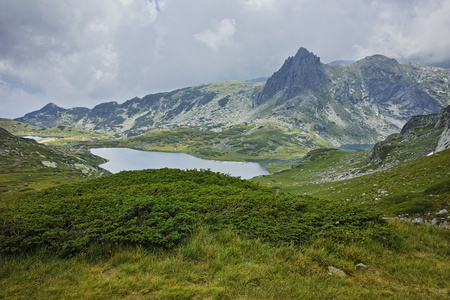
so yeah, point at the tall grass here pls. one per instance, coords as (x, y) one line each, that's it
(224, 265)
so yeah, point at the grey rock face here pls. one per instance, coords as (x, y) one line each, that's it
(363, 101)
(53, 115)
(301, 73)
(444, 121)
(388, 85)
(420, 136)
(440, 124)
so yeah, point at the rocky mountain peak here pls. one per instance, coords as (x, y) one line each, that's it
(47, 112)
(298, 74)
(51, 108)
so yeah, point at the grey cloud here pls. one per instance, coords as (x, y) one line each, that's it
(221, 34)
(80, 53)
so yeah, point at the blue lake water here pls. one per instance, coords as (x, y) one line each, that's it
(354, 147)
(36, 138)
(121, 159)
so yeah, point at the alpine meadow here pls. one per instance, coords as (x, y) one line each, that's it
(325, 224)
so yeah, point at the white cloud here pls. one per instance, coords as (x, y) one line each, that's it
(220, 35)
(259, 4)
(417, 30)
(125, 2)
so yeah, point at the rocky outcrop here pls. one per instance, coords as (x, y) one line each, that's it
(421, 136)
(390, 88)
(436, 125)
(360, 102)
(444, 121)
(302, 73)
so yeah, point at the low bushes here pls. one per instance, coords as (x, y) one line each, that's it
(160, 208)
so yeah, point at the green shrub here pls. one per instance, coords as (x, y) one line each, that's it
(160, 208)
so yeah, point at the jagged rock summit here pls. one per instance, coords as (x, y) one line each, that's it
(361, 102)
(298, 74)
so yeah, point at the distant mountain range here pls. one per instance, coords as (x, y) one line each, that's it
(359, 102)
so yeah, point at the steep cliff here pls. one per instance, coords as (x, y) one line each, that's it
(299, 74)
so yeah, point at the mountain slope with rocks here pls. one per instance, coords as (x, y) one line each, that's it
(27, 165)
(406, 176)
(361, 102)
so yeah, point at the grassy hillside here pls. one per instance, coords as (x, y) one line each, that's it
(159, 208)
(262, 140)
(64, 132)
(171, 234)
(401, 176)
(27, 165)
(259, 140)
(321, 228)
(416, 187)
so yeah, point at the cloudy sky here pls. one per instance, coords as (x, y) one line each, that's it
(84, 52)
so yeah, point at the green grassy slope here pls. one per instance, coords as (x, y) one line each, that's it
(27, 165)
(256, 141)
(401, 176)
(159, 208)
(23, 129)
(172, 234)
(416, 187)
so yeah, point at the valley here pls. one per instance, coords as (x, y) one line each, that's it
(324, 224)
(334, 219)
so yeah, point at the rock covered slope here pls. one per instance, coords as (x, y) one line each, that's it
(24, 163)
(421, 136)
(210, 106)
(362, 102)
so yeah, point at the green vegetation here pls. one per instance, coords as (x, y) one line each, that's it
(415, 187)
(27, 165)
(172, 234)
(165, 234)
(159, 208)
(66, 133)
(256, 141)
(224, 265)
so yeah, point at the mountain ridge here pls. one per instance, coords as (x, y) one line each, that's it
(362, 102)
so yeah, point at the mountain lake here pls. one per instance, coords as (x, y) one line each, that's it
(126, 159)
(354, 147)
(121, 159)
